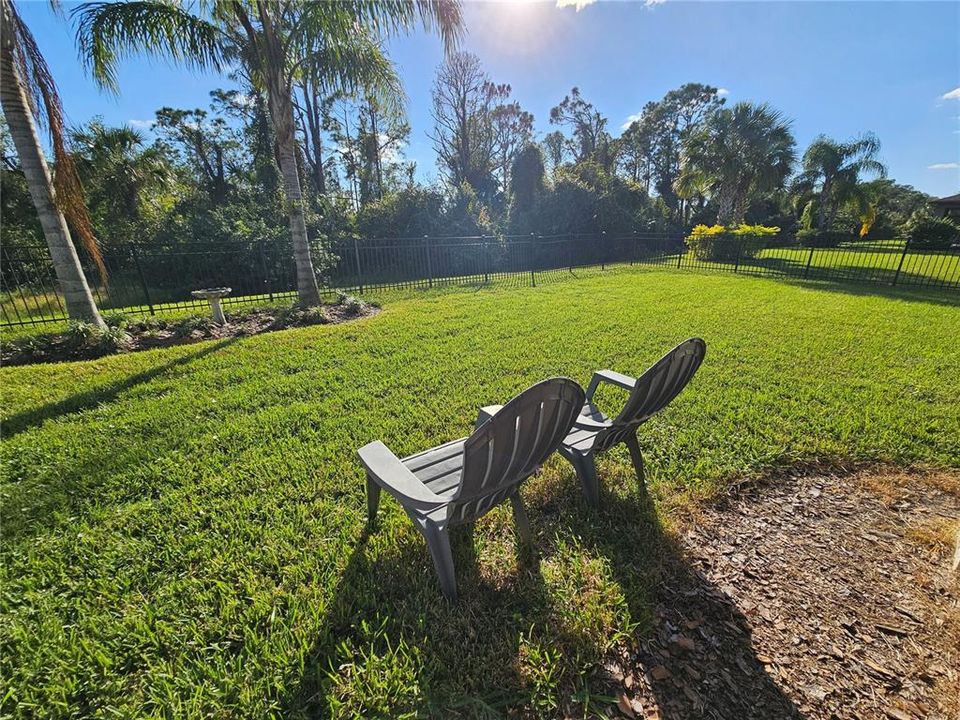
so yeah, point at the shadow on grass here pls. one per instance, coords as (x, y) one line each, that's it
(97, 396)
(855, 280)
(532, 639)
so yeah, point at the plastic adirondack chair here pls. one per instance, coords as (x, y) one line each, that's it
(462, 480)
(594, 432)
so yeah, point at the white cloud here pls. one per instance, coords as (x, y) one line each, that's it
(952, 95)
(943, 166)
(143, 124)
(630, 120)
(577, 5)
(722, 92)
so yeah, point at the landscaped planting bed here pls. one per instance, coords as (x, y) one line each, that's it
(183, 529)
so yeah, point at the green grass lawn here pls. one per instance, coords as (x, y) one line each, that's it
(183, 530)
(872, 263)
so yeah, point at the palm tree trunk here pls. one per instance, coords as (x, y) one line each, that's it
(23, 131)
(281, 113)
(822, 209)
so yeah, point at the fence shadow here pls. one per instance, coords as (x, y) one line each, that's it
(474, 659)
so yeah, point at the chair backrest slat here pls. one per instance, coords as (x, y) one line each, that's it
(655, 389)
(512, 444)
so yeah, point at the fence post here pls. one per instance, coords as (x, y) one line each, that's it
(484, 249)
(736, 263)
(903, 256)
(680, 254)
(263, 269)
(143, 280)
(570, 252)
(806, 270)
(426, 242)
(356, 255)
(533, 278)
(603, 249)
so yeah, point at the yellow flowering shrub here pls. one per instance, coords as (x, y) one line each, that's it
(719, 243)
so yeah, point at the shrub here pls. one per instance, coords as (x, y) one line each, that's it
(717, 243)
(812, 237)
(315, 315)
(86, 339)
(352, 305)
(930, 233)
(201, 324)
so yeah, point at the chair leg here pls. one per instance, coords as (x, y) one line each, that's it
(587, 473)
(521, 520)
(373, 500)
(438, 540)
(636, 456)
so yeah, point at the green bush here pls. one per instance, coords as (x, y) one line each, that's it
(812, 237)
(930, 233)
(717, 243)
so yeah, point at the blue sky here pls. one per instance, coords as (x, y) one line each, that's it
(834, 68)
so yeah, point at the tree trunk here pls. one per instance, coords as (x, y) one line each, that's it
(23, 131)
(822, 209)
(281, 113)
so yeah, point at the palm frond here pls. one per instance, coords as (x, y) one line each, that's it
(384, 17)
(108, 32)
(349, 64)
(47, 108)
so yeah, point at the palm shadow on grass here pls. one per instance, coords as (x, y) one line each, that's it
(41, 504)
(109, 392)
(520, 644)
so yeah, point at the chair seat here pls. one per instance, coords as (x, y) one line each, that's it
(592, 414)
(585, 429)
(439, 468)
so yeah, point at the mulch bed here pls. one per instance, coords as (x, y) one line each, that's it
(809, 596)
(150, 333)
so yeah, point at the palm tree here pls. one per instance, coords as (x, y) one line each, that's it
(118, 169)
(831, 174)
(737, 154)
(27, 89)
(275, 42)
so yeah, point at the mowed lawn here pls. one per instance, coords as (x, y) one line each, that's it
(184, 530)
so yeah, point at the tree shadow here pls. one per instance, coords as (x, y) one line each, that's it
(518, 642)
(35, 504)
(854, 280)
(97, 396)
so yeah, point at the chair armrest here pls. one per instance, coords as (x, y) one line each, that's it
(485, 413)
(392, 475)
(609, 376)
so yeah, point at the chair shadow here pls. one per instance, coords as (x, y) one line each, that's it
(87, 399)
(468, 658)
(721, 676)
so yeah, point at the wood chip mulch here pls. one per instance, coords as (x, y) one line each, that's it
(808, 597)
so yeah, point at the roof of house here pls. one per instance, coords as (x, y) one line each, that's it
(951, 200)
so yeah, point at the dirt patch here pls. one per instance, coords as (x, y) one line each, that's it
(85, 342)
(815, 597)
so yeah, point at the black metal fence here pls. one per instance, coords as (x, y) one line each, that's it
(149, 280)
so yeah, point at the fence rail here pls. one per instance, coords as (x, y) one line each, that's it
(147, 280)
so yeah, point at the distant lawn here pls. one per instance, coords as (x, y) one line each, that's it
(183, 530)
(874, 262)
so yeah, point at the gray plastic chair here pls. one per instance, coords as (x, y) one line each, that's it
(462, 480)
(594, 432)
